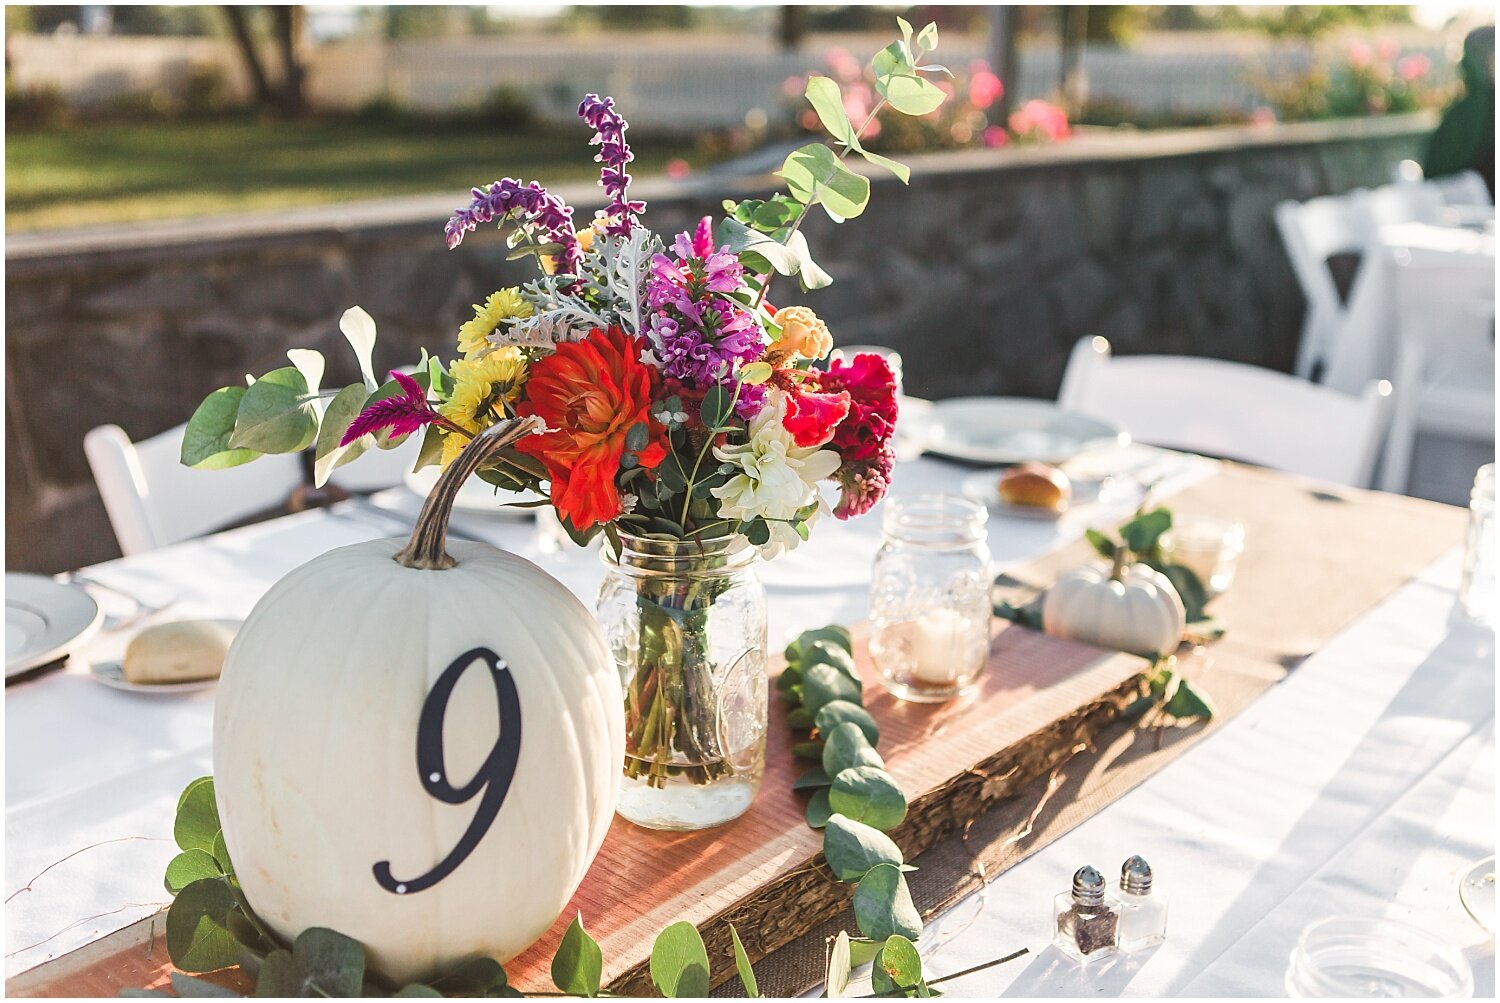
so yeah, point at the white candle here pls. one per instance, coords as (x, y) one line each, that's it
(939, 646)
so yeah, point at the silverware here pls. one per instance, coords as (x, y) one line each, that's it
(114, 621)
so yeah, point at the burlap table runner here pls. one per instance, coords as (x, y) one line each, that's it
(1315, 560)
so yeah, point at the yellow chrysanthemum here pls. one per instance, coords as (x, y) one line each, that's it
(481, 389)
(507, 304)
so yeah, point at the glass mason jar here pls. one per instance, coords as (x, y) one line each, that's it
(930, 606)
(1349, 957)
(1476, 592)
(686, 623)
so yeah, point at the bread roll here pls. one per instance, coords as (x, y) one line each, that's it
(1036, 485)
(179, 652)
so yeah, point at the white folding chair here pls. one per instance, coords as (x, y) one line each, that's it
(1466, 188)
(1313, 232)
(153, 500)
(1445, 359)
(1403, 202)
(1231, 410)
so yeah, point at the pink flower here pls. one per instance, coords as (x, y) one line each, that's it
(996, 136)
(1414, 67)
(1043, 120)
(1360, 54)
(794, 86)
(1387, 49)
(843, 64)
(811, 416)
(1262, 116)
(677, 168)
(402, 414)
(984, 89)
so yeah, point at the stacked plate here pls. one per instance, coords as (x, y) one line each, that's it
(44, 620)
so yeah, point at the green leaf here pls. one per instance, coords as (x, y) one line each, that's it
(898, 967)
(862, 952)
(197, 820)
(839, 968)
(826, 653)
(833, 634)
(430, 452)
(221, 854)
(743, 966)
(823, 684)
(927, 38)
(808, 750)
(883, 905)
(818, 809)
(189, 866)
(815, 175)
(845, 747)
(814, 778)
(1103, 545)
(790, 258)
(824, 95)
(342, 411)
(309, 362)
(1189, 588)
(800, 719)
(717, 407)
(476, 977)
(205, 440)
(416, 989)
(275, 415)
(679, 962)
(905, 27)
(894, 58)
(188, 987)
(853, 848)
(637, 436)
(198, 938)
(1143, 533)
(579, 963)
(321, 962)
(895, 167)
(835, 713)
(1188, 704)
(910, 94)
(755, 373)
(359, 330)
(869, 795)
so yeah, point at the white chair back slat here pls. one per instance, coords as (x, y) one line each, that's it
(1231, 410)
(153, 500)
(1313, 232)
(1466, 188)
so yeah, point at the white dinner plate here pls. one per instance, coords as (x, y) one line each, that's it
(43, 620)
(112, 673)
(983, 486)
(475, 495)
(1015, 430)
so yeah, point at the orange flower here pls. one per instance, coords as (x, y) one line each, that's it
(590, 393)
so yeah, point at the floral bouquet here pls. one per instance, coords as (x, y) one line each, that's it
(687, 417)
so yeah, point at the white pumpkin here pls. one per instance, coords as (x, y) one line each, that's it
(334, 818)
(1121, 608)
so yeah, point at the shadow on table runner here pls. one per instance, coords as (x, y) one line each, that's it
(1315, 562)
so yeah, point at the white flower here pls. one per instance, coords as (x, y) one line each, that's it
(777, 477)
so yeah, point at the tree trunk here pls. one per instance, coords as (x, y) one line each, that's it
(246, 42)
(1002, 46)
(289, 20)
(1073, 85)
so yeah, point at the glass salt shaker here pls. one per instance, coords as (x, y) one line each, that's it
(1087, 918)
(1143, 910)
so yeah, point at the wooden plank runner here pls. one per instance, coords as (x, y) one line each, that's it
(1314, 562)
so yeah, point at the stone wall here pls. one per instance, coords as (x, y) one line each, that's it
(983, 274)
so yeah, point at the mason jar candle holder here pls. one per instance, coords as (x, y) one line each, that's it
(1209, 548)
(930, 606)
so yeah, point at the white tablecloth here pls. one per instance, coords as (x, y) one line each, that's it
(87, 765)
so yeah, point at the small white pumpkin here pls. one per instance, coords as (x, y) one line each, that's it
(1132, 609)
(419, 751)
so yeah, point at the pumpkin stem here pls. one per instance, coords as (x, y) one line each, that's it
(427, 548)
(1117, 570)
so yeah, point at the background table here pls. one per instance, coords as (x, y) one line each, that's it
(86, 764)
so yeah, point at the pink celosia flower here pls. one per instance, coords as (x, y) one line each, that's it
(402, 415)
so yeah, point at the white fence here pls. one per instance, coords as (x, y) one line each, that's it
(674, 81)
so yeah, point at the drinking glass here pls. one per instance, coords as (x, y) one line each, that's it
(1476, 592)
(1210, 548)
(1361, 956)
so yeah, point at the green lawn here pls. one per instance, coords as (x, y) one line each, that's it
(89, 174)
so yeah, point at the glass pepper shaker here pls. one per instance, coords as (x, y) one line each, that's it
(1143, 909)
(1087, 918)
